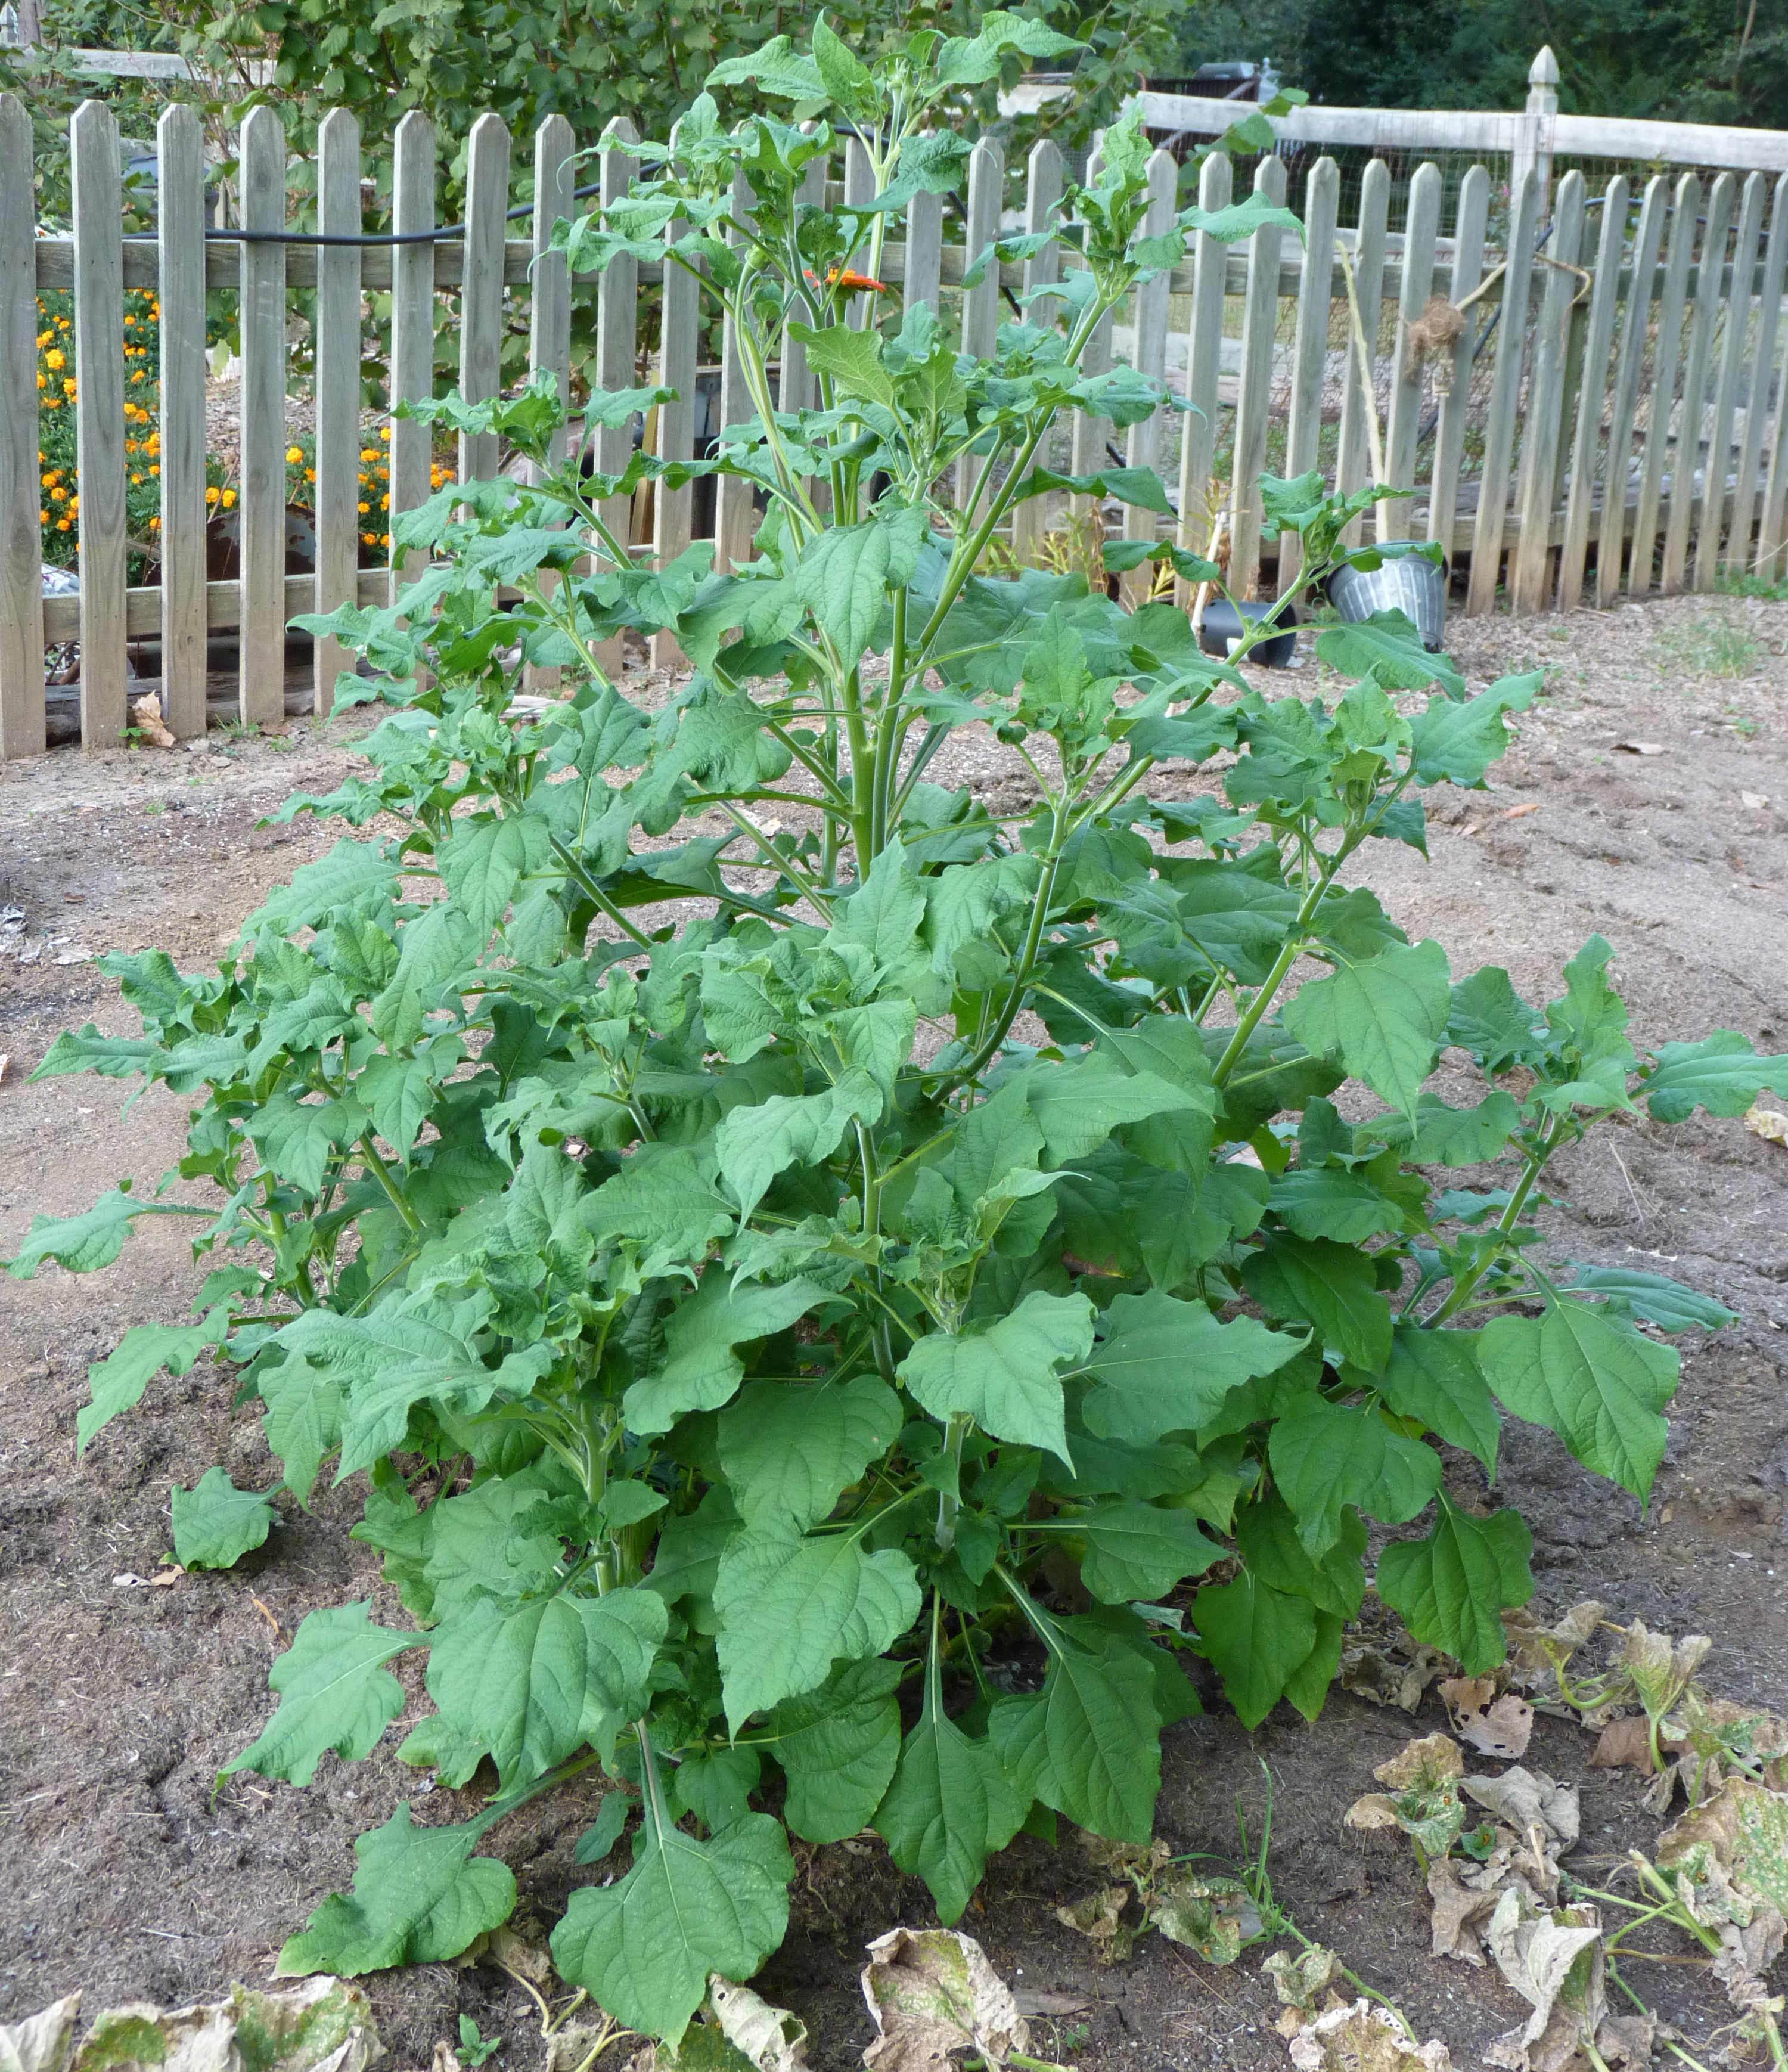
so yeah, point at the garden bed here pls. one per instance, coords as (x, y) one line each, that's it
(126, 1877)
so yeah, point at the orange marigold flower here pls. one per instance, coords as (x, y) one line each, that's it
(61, 525)
(212, 492)
(294, 454)
(56, 361)
(229, 498)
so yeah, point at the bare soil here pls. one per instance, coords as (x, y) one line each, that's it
(126, 1876)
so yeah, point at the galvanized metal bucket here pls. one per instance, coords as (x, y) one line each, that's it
(1409, 583)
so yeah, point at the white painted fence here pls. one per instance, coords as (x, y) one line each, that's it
(1633, 417)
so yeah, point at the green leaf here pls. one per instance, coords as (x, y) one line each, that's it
(838, 1747)
(295, 1137)
(1139, 486)
(850, 359)
(1722, 1073)
(950, 1807)
(601, 1837)
(1267, 1540)
(758, 1140)
(1444, 1136)
(419, 1897)
(1457, 742)
(303, 1420)
(1007, 1379)
(1331, 1287)
(1654, 1298)
(1601, 1389)
(354, 876)
(112, 1057)
(642, 1948)
(1163, 1366)
(1079, 1105)
(215, 1524)
(1326, 1456)
(788, 1451)
(1383, 1019)
(483, 862)
(1451, 1588)
(664, 1203)
(701, 1370)
(533, 1680)
(117, 1383)
(1491, 1022)
(790, 1606)
(1433, 1376)
(845, 575)
(81, 1243)
(1388, 645)
(1307, 1686)
(1139, 1551)
(1088, 1744)
(1256, 1637)
(335, 1695)
(1323, 1202)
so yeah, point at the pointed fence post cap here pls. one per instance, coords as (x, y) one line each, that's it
(1544, 70)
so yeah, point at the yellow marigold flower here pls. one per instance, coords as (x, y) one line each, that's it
(59, 496)
(156, 469)
(211, 492)
(229, 499)
(153, 524)
(61, 525)
(384, 432)
(67, 384)
(309, 474)
(383, 473)
(369, 453)
(364, 507)
(367, 538)
(57, 360)
(385, 540)
(135, 480)
(42, 517)
(384, 503)
(294, 454)
(138, 376)
(43, 381)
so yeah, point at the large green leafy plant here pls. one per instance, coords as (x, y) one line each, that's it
(761, 1330)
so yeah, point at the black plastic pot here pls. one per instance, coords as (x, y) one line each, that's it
(1409, 583)
(1223, 625)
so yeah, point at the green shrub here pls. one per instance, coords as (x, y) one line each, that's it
(951, 1239)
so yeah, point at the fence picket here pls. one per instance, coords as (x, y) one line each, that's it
(617, 333)
(1685, 211)
(796, 389)
(338, 349)
(981, 304)
(1143, 448)
(734, 510)
(1421, 228)
(262, 693)
(1204, 341)
(549, 319)
(1259, 327)
(1499, 429)
(680, 335)
(22, 717)
(412, 319)
(1091, 436)
(481, 296)
(1732, 362)
(1368, 256)
(99, 420)
(1610, 525)
(1309, 355)
(1697, 367)
(1772, 554)
(924, 275)
(1592, 393)
(1454, 400)
(859, 192)
(1756, 396)
(1043, 181)
(1543, 433)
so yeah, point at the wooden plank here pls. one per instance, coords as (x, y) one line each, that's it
(1623, 406)
(859, 192)
(1199, 502)
(1374, 209)
(1421, 228)
(1499, 427)
(1697, 367)
(1592, 393)
(262, 663)
(679, 338)
(338, 351)
(99, 420)
(223, 605)
(921, 270)
(617, 337)
(1529, 590)
(735, 515)
(549, 319)
(1142, 447)
(1043, 183)
(180, 234)
(412, 320)
(1732, 363)
(1309, 355)
(1259, 321)
(1672, 143)
(1455, 399)
(796, 389)
(20, 487)
(981, 304)
(1757, 395)
(481, 299)
(1686, 207)
(1772, 554)
(1090, 437)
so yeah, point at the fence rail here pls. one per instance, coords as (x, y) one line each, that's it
(1609, 416)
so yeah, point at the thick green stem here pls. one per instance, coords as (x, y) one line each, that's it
(1027, 957)
(382, 1172)
(1464, 1287)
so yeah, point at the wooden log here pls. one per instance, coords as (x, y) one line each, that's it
(981, 304)
(21, 487)
(1143, 448)
(1455, 404)
(735, 514)
(1043, 183)
(549, 322)
(1090, 437)
(679, 339)
(1697, 372)
(617, 342)
(1757, 399)
(1204, 344)
(99, 420)
(411, 374)
(481, 298)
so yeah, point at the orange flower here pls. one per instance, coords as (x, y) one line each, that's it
(842, 277)
(229, 499)
(56, 361)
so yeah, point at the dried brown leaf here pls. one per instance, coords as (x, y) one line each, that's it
(1538, 1647)
(1363, 2038)
(1499, 1728)
(1766, 1123)
(1553, 1959)
(1522, 1798)
(1626, 1743)
(773, 2039)
(146, 717)
(1397, 1674)
(930, 1991)
(324, 2024)
(41, 2042)
(1420, 1765)
(1100, 1918)
(1456, 1910)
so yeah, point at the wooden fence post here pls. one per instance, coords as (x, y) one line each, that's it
(1455, 402)
(338, 352)
(99, 420)
(1533, 129)
(1310, 359)
(617, 331)
(1685, 209)
(1421, 228)
(734, 512)
(1090, 435)
(924, 253)
(21, 715)
(481, 286)
(1493, 495)
(262, 662)
(679, 335)
(981, 304)
(1368, 256)
(1593, 394)
(1259, 329)
(859, 192)
(1732, 362)
(1204, 349)
(1757, 399)
(549, 320)
(1531, 561)
(411, 374)
(180, 297)
(1623, 407)
(1043, 183)
(1143, 447)
(1697, 364)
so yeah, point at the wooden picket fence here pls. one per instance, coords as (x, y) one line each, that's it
(1627, 412)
